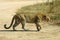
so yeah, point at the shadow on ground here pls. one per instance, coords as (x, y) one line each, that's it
(18, 31)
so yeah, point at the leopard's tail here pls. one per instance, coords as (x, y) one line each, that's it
(10, 24)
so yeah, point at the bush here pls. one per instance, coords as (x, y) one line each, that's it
(43, 8)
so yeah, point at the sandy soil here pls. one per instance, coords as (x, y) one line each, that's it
(7, 10)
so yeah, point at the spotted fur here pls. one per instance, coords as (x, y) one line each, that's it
(27, 18)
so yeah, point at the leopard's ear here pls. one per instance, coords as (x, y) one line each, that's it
(48, 18)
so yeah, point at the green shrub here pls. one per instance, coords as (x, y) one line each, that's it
(43, 8)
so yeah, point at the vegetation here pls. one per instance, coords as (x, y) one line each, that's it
(52, 9)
